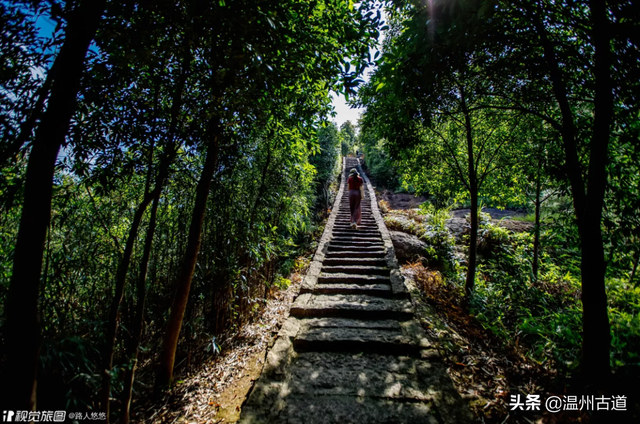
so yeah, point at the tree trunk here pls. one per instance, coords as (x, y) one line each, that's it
(596, 342)
(473, 193)
(473, 242)
(164, 375)
(22, 328)
(568, 131)
(139, 318)
(596, 337)
(536, 230)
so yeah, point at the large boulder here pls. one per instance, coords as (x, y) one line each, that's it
(408, 247)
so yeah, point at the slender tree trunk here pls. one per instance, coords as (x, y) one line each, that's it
(595, 322)
(473, 193)
(261, 189)
(22, 328)
(568, 131)
(139, 318)
(164, 375)
(473, 242)
(536, 230)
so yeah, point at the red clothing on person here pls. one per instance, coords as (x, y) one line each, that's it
(355, 182)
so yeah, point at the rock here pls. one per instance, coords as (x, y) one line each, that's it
(408, 247)
(457, 227)
(515, 226)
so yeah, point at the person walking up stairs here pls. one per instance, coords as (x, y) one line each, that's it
(356, 194)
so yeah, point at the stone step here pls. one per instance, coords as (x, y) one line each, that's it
(351, 306)
(346, 211)
(354, 261)
(379, 290)
(381, 341)
(355, 248)
(355, 241)
(379, 244)
(346, 221)
(346, 224)
(347, 216)
(356, 238)
(363, 253)
(360, 232)
(346, 229)
(363, 221)
(356, 269)
(383, 376)
(361, 229)
(343, 277)
(356, 233)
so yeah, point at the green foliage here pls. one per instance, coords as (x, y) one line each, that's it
(379, 163)
(327, 162)
(624, 303)
(437, 217)
(431, 230)
(349, 139)
(165, 85)
(545, 316)
(473, 100)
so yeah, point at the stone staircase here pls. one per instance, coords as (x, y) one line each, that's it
(351, 350)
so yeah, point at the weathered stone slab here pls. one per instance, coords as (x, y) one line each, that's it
(326, 278)
(357, 248)
(354, 306)
(378, 341)
(348, 323)
(345, 410)
(356, 269)
(355, 233)
(364, 253)
(356, 243)
(382, 290)
(356, 237)
(354, 261)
